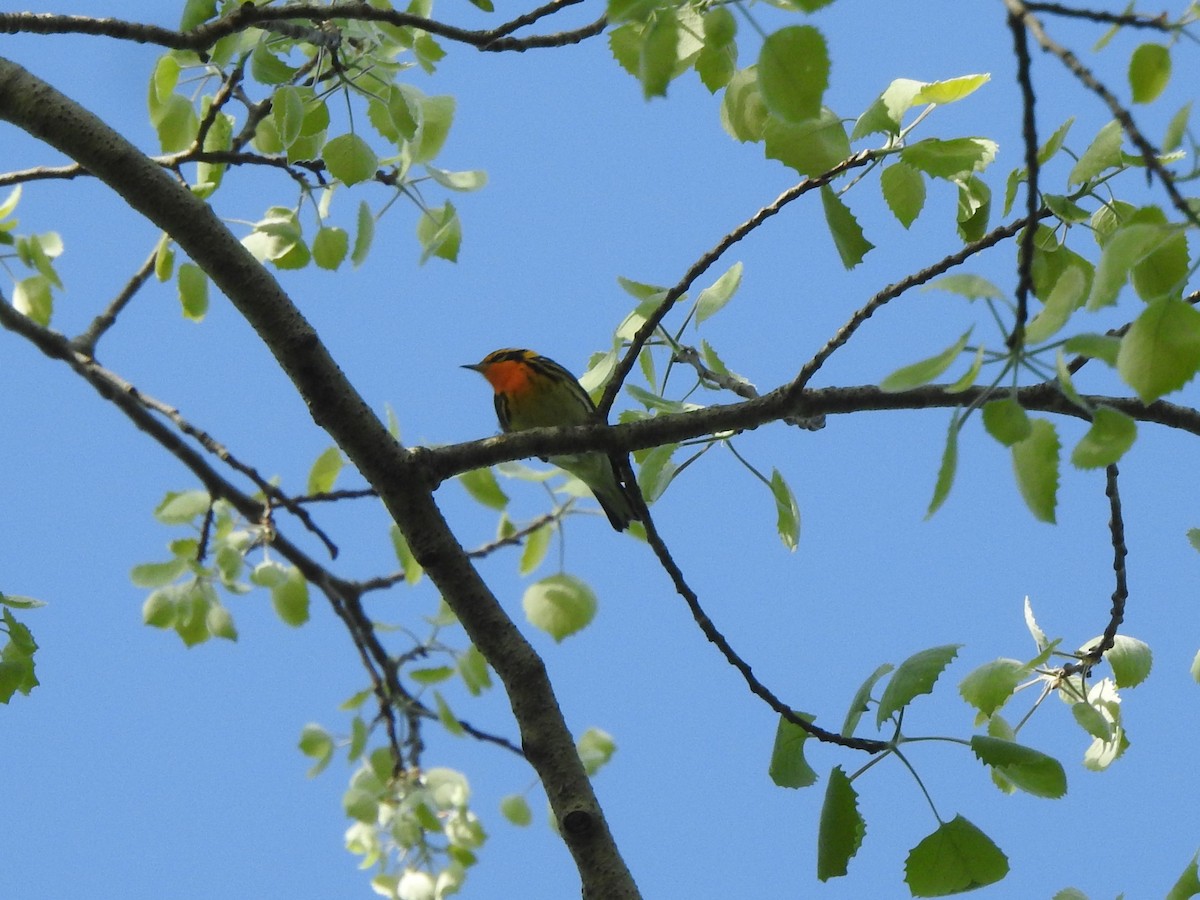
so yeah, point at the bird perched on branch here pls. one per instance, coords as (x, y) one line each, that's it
(533, 391)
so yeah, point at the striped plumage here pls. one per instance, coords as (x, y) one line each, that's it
(533, 391)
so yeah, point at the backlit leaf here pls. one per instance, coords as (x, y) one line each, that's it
(1035, 462)
(793, 72)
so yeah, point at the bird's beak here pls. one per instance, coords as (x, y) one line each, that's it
(474, 367)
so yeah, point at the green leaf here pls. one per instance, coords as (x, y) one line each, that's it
(717, 60)
(515, 808)
(787, 521)
(595, 747)
(1161, 351)
(842, 827)
(1130, 659)
(988, 687)
(713, 298)
(885, 114)
(904, 191)
(858, 705)
(656, 471)
(1111, 434)
(465, 181)
(437, 115)
(193, 291)
(391, 114)
(152, 575)
(1165, 269)
(431, 674)
(912, 376)
(176, 123)
(1149, 72)
(287, 111)
(1035, 462)
(159, 608)
(952, 89)
(1188, 883)
(317, 744)
(1092, 720)
(1064, 299)
(974, 208)
(1006, 421)
(1172, 138)
(15, 601)
(793, 72)
(811, 147)
(844, 228)
(946, 471)
(947, 159)
(268, 68)
(324, 471)
(743, 112)
(446, 716)
(440, 232)
(474, 671)
(1103, 153)
(350, 159)
(1031, 770)
(408, 563)
(329, 247)
(195, 12)
(182, 508)
(916, 675)
(659, 52)
(956, 857)
(219, 623)
(364, 234)
(290, 598)
(973, 287)
(534, 551)
(1127, 247)
(32, 298)
(1104, 347)
(559, 605)
(481, 484)
(789, 768)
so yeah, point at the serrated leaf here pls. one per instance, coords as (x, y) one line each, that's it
(1111, 434)
(989, 686)
(1006, 421)
(1127, 247)
(793, 72)
(437, 115)
(714, 297)
(481, 484)
(916, 374)
(656, 470)
(324, 471)
(949, 158)
(743, 113)
(956, 857)
(946, 471)
(1161, 351)
(789, 768)
(515, 808)
(1035, 462)
(904, 191)
(1031, 770)
(915, 676)
(1104, 347)
(1149, 72)
(364, 234)
(847, 235)
(1092, 720)
(559, 605)
(440, 232)
(1103, 153)
(842, 827)
(350, 159)
(787, 520)
(287, 111)
(858, 705)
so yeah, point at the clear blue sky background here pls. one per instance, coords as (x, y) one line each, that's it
(140, 769)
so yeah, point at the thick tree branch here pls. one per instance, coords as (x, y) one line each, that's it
(395, 472)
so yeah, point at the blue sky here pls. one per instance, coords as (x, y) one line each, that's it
(141, 769)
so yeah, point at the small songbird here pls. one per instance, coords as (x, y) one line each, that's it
(534, 392)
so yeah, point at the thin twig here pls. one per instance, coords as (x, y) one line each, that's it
(1133, 20)
(1025, 247)
(86, 342)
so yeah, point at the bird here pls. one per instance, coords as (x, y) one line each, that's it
(533, 391)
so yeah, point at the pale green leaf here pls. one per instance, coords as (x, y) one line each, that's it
(536, 544)
(350, 159)
(1035, 462)
(559, 605)
(1112, 433)
(1161, 351)
(658, 53)
(1064, 299)
(290, 598)
(193, 291)
(713, 298)
(329, 247)
(324, 471)
(951, 89)
(1103, 153)
(364, 234)
(858, 706)
(847, 235)
(595, 748)
(481, 484)
(515, 808)
(1149, 72)
(988, 687)
(811, 147)
(788, 767)
(904, 191)
(912, 376)
(1031, 770)
(973, 287)
(743, 113)
(1006, 420)
(946, 471)
(787, 521)
(915, 676)
(949, 158)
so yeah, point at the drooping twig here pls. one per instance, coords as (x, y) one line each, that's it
(86, 342)
(1120, 594)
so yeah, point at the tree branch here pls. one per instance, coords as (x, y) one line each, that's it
(397, 473)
